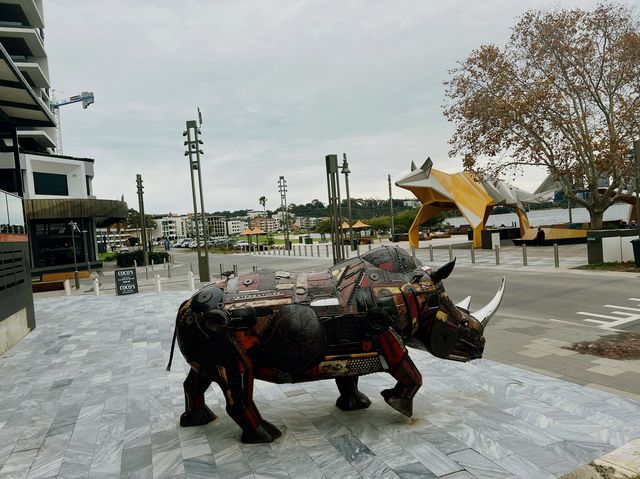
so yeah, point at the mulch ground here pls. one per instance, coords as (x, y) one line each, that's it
(627, 266)
(615, 346)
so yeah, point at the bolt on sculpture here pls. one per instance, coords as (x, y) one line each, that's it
(352, 320)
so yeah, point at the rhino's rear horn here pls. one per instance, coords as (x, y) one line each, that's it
(443, 272)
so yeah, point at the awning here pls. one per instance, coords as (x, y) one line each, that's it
(103, 212)
(18, 102)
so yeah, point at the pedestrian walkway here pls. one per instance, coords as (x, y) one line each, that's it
(86, 394)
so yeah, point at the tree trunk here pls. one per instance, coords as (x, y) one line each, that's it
(596, 219)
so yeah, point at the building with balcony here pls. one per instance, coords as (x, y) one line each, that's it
(57, 190)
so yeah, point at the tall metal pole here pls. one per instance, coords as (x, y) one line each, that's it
(205, 225)
(282, 188)
(86, 251)
(76, 275)
(393, 228)
(334, 207)
(346, 171)
(193, 149)
(143, 226)
(636, 151)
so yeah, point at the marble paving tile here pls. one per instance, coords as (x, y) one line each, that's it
(479, 465)
(522, 468)
(95, 400)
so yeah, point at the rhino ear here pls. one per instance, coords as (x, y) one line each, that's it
(443, 272)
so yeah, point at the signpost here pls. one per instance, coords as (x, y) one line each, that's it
(126, 281)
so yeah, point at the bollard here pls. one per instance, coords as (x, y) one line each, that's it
(221, 270)
(305, 250)
(192, 281)
(369, 246)
(191, 267)
(146, 271)
(67, 287)
(169, 270)
(430, 252)
(358, 250)
(556, 255)
(235, 270)
(158, 287)
(524, 255)
(164, 263)
(318, 250)
(450, 252)
(293, 248)
(254, 268)
(299, 251)
(153, 265)
(311, 248)
(96, 287)
(135, 264)
(473, 255)
(497, 248)
(326, 250)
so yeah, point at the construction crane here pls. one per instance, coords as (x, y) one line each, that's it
(86, 97)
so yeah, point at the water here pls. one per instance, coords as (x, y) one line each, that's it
(554, 216)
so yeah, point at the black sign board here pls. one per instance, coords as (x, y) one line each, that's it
(126, 281)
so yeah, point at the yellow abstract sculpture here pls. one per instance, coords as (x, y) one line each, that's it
(474, 198)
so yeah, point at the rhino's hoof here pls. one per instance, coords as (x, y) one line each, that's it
(197, 417)
(353, 402)
(402, 405)
(265, 432)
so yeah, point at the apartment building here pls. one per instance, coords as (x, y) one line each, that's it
(59, 204)
(235, 226)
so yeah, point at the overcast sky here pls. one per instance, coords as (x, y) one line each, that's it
(280, 84)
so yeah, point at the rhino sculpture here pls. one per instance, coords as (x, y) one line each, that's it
(351, 320)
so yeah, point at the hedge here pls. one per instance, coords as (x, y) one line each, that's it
(126, 258)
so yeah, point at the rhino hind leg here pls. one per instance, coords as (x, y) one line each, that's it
(350, 398)
(196, 413)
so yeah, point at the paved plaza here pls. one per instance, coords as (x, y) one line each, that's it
(86, 394)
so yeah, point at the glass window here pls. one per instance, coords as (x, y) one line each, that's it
(8, 179)
(15, 214)
(4, 213)
(88, 180)
(50, 184)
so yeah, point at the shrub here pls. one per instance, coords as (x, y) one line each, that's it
(127, 258)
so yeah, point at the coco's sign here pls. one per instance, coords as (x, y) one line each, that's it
(126, 281)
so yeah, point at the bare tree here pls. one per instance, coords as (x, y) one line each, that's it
(564, 93)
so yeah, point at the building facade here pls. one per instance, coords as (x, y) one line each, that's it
(58, 194)
(235, 226)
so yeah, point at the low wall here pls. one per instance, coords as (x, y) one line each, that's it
(17, 316)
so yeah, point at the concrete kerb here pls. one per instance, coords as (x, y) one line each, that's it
(622, 463)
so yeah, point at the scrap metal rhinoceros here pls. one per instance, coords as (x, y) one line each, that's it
(351, 320)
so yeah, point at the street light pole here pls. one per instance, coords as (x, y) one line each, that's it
(393, 229)
(76, 275)
(282, 188)
(194, 149)
(346, 171)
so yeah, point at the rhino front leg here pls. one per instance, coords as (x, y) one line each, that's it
(196, 411)
(350, 398)
(402, 368)
(236, 381)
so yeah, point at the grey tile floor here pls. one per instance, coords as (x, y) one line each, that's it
(87, 395)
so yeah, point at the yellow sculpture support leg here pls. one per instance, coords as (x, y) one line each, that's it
(426, 212)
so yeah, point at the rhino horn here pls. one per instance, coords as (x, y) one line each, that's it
(465, 303)
(443, 272)
(484, 315)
